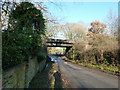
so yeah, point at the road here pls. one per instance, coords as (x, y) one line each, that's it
(82, 77)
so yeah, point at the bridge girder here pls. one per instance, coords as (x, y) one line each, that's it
(58, 42)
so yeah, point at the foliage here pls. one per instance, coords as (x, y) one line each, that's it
(41, 56)
(12, 56)
(107, 68)
(24, 34)
(102, 67)
(103, 44)
(97, 27)
(97, 48)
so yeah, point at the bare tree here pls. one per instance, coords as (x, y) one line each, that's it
(101, 42)
(74, 31)
(112, 24)
(52, 30)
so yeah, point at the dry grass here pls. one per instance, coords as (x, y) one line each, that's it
(113, 69)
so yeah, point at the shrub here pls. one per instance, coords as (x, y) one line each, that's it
(24, 33)
(11, 56)
(41, 56)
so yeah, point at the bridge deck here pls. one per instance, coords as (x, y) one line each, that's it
(58, 43)
(58, 46)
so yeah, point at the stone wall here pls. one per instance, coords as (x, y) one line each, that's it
(21, 75)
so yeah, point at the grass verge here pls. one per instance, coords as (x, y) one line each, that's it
(112, 69)
(102, 67)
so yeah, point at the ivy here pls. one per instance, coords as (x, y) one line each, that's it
(23, 35)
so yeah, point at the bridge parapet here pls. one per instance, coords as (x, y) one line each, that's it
(58, 41)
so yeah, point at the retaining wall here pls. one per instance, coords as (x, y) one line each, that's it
(21, 75)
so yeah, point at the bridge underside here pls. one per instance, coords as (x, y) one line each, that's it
(59, 43)
(59, 46)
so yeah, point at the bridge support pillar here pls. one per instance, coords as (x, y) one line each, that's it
(67, 49)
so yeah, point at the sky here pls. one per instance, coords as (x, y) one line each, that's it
(86, 12)
(76, 11)
(82, 11)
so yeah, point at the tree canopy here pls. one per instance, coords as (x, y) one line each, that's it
(24, 34)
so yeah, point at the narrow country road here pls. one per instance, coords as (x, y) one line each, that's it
(82, 77)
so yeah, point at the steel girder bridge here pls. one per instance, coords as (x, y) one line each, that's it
(59, 43)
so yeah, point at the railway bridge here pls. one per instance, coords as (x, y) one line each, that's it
(59, 43)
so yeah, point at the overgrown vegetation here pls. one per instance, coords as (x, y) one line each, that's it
(41, 55)
(114, 69)
(23, 34)
(95, 47)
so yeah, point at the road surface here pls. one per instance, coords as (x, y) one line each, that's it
(82, 77)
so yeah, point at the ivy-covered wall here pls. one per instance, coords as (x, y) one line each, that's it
(23, 35)
(21, 75)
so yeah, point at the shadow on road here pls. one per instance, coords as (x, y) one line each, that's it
(58, 80)
(47, 78)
